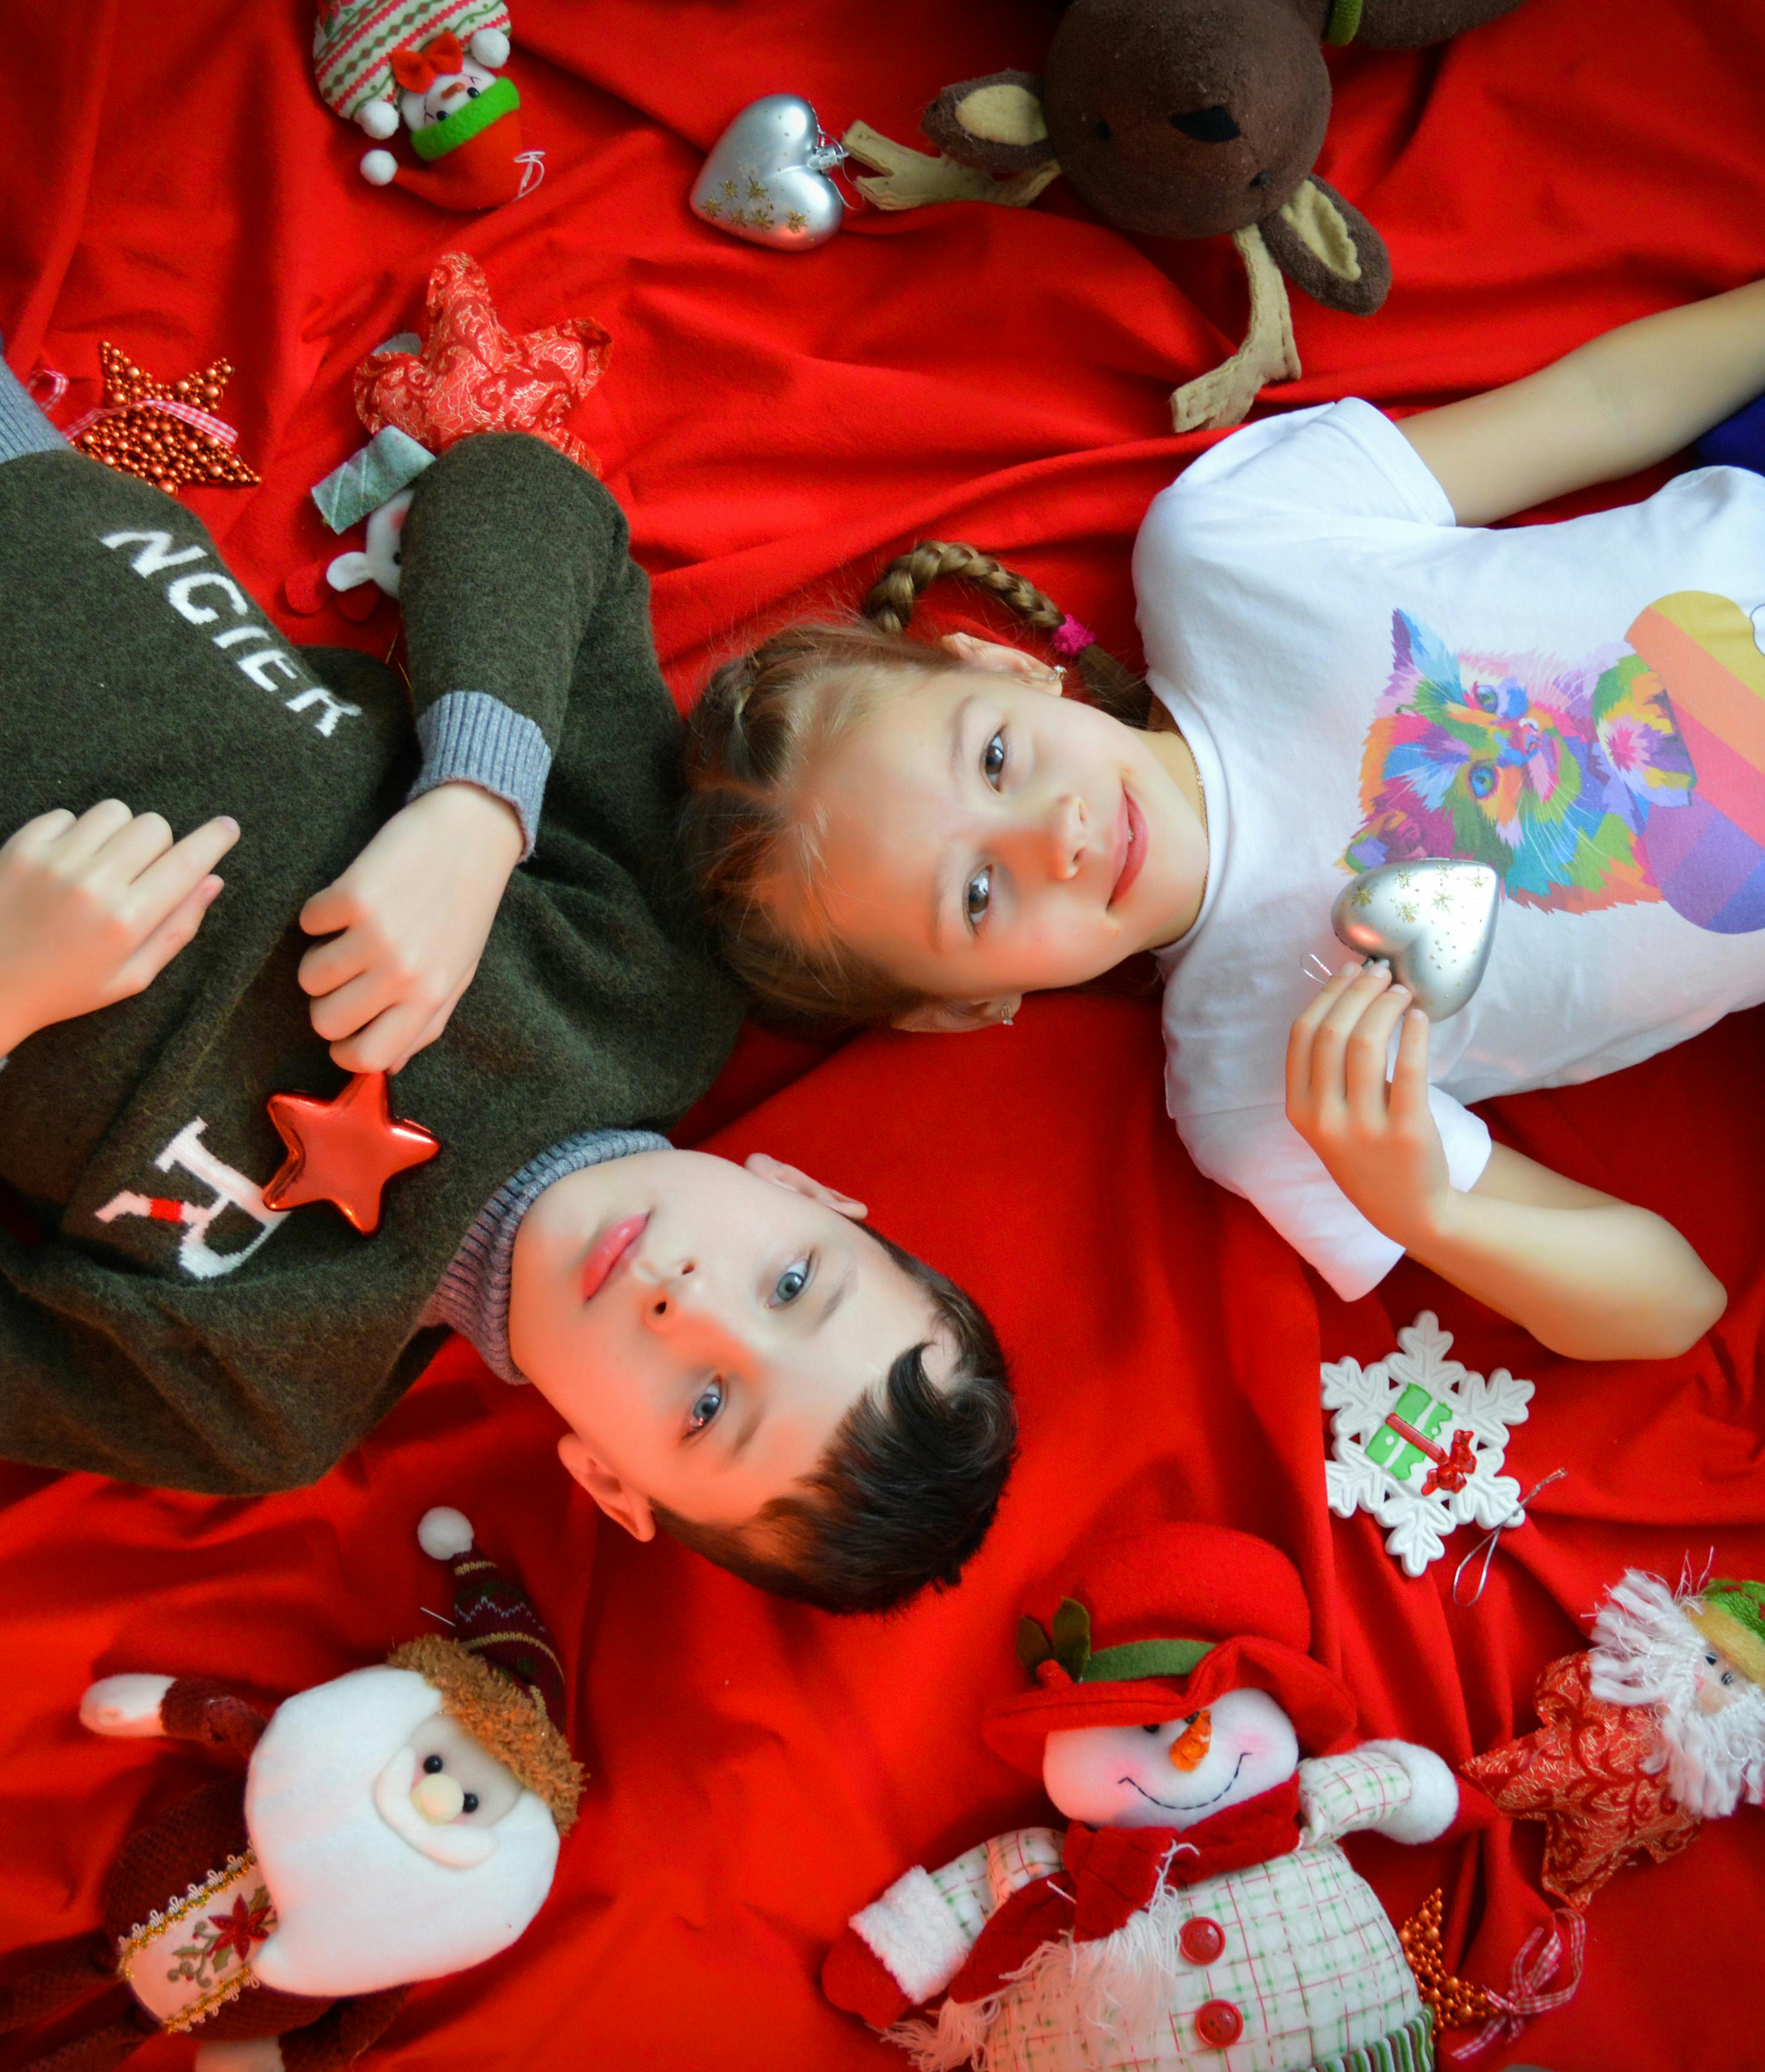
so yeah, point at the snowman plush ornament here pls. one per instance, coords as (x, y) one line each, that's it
(434, 95)
(1199, 1902)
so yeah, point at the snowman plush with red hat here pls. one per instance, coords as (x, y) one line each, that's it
(1199, 1903)
(437, 65)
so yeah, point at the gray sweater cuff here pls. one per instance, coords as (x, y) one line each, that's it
(23, 428)
(468, 737)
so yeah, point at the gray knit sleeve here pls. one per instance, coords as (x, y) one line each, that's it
(468, 737)
(23, 428)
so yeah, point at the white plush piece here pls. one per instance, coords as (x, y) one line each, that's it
(443, 1532)
(379, 168)
(1433, 1804)
(124, 1706)
(914, 1935)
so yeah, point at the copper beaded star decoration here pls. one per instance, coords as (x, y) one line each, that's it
(1457, 2003)
(165, 432)
(344, 1151)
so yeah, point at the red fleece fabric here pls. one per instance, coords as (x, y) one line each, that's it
(775, 425)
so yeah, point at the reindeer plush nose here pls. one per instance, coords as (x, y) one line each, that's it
(1190, 1747)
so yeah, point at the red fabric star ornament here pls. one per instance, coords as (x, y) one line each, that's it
(1585, 1774)
(473, 375)
(344, 1151)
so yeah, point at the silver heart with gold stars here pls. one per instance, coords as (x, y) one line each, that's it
(1432, 921)
(766, 178)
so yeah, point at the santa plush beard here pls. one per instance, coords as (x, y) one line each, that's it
(359, 1907)
(1647, 1652)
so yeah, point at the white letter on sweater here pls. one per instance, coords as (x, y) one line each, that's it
(178, 596)
(231, 1190)
(157, 553)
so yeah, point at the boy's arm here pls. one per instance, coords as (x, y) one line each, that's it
(1621, 402)
(1589, 1276)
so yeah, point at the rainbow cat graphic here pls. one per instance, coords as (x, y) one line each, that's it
(1637, 775)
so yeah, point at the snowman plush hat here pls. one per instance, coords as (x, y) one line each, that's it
(1199, 1902)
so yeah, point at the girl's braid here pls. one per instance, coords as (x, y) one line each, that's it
(893, 598)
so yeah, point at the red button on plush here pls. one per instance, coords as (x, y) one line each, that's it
(1201, 1940)
(1218, 2023)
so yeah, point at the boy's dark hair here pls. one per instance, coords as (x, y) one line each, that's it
(907, 1488)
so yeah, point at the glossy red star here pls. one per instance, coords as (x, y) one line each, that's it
(344, 1151)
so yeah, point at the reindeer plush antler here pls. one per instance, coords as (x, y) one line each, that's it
(1182, 118)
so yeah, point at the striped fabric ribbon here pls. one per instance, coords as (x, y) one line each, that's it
(53, 386)
(1545, 1953)
(204, 420)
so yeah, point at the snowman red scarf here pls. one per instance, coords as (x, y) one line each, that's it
(1112, 1873)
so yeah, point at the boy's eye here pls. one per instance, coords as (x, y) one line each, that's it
(978, 896)
(792, 1282)
(992, 758)
(706, 1405)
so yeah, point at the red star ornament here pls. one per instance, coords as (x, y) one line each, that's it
(473, 375)
(344, 1151)
(166, 431)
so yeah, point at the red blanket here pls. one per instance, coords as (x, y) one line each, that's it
(172, 182)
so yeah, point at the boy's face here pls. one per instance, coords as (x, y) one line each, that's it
(703, 1328)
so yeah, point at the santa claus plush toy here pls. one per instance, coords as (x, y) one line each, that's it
(437, 65)
(1657, 1727)
(398, 1824)
(1199, 1903)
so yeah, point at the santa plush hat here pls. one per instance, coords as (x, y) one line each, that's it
(1140, 1628)
(499, 1673)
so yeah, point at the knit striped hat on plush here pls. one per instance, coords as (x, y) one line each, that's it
(1730, 1614)
(499, 1673)
(353, 42)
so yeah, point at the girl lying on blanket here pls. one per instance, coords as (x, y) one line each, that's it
(735, 1358)
(1345, 670)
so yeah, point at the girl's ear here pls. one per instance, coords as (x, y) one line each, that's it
(953, 1018)
(995, 657)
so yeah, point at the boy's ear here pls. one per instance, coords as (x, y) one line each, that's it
(955, 1018)
(994, 656)
(764, 1167)
(624, 1505)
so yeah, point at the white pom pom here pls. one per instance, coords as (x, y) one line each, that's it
(379, 118)
(490, 47)
(378, 168)
(442, 1533)
(128, 1706)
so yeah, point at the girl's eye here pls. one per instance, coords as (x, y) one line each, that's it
(992, 759)
(705, 1407)
(978, 896)
(792, 1282)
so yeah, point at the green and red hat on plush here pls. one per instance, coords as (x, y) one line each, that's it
(1139, 1628)
(1730, 1613)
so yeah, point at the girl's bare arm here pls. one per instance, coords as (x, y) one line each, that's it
(1621, 402)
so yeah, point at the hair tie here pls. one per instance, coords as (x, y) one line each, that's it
(1071, 638)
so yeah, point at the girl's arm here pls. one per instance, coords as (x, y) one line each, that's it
(1589, 1276)
(1621, 402)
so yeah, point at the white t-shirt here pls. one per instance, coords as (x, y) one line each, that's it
(1581, 704)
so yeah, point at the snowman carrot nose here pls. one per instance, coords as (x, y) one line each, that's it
(1191, 1746)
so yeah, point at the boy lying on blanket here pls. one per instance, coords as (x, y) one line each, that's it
(736, 1358)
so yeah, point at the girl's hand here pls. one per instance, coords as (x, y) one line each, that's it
(408, 922)
(93, 908)
(1377, 1141)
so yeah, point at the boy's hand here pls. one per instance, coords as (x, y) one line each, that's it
(408, 922)
(93, 908)
(1378, 1141)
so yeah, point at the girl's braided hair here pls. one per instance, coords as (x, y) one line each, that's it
(751, 736)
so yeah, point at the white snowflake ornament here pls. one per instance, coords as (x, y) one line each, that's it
(1419, 1441)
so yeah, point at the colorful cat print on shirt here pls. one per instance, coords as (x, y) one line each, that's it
(1637, 775)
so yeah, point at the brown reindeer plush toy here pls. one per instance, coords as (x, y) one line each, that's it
(1183, 118)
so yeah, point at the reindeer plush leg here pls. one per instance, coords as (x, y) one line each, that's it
(73, 1972)
(1224, 396)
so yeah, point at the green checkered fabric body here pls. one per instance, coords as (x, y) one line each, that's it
(1311, 1961)
(354, 40)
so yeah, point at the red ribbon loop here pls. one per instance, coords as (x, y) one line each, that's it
(416, 70)
(1545, 1952)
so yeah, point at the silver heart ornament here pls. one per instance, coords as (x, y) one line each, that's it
(766, 178)
(1432, 921)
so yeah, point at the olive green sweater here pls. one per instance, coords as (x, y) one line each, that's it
(170, 1330)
